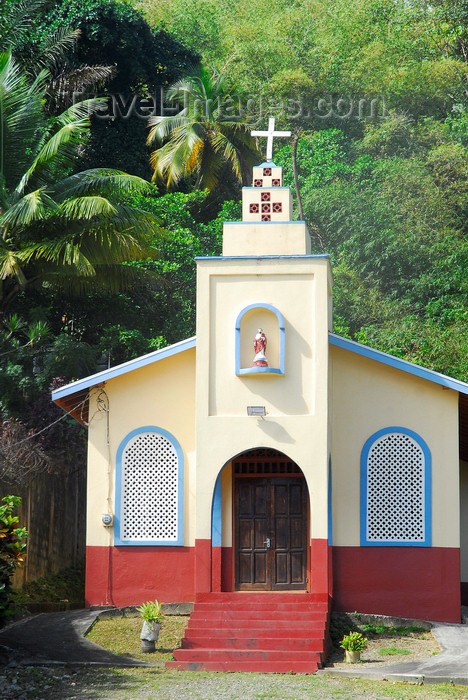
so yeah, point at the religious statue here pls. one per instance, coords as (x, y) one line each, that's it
(260, 343)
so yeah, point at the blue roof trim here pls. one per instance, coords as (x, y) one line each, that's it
(267, 164)
(263, 257)
(398, 363)
(129, 366)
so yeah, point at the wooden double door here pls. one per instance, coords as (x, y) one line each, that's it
(270, 533)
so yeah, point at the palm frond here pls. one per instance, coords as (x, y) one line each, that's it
(17, 21)
(100, 181)
(162, 128)
(32, 207)
(65, 252)
(10, 266)
(200, 138)
(63, 88)
(56, 47)
(20, 114)
(86, 208)
(61, 146)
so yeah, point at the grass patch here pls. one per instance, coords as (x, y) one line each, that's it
(392, 651)
(122, 636)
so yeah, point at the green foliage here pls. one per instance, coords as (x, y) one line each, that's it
(307, 50)
(202, 137)
(12, 550)
(151, 611)
(69, 231)
(354, 641)
(186, 236)
(114, 33)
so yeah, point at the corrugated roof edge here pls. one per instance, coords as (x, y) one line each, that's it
(398, 363)
(125, 367)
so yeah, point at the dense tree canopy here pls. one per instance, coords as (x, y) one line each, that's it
(384, 190)
(314, 49)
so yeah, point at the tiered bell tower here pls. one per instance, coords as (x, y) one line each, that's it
(266, 293)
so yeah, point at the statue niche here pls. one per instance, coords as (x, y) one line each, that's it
(257, 326)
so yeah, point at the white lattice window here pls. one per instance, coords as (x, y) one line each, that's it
(395, 489)
(150, 489)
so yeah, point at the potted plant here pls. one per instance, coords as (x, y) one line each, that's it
(353, 643)
(151, 614)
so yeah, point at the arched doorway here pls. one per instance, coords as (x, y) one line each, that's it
(270, 522)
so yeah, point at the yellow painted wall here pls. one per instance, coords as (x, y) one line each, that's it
(161, 394)
(296, 403)
(368, 396)
(272, 238)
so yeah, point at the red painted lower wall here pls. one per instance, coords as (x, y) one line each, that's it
(412, 582)
(131, 575)
(319, 566)
(227, 570)
(417, 582)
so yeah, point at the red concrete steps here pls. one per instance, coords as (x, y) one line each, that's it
(245, 666)
(263, 632)
(202, 655)
(270, 623)
(279, 607)
(252, 615)
(255, 632)
(266, 597)
(265, 643)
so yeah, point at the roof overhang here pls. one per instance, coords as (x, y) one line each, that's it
(398, 363)
(73, 398)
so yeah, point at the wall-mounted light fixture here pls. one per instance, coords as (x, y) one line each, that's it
(107, 519)
(256, 411)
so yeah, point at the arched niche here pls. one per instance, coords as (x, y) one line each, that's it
(249, 320)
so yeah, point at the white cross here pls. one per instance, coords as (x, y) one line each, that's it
(270, 133)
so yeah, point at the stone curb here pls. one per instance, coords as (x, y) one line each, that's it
(108, 611)
(395, 677)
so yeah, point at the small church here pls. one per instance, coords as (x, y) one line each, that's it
(269, 470)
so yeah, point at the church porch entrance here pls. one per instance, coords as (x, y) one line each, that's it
(270, 522)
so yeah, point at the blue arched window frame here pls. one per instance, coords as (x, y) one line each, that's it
(180, 490)
(427, 490)
(260, 370)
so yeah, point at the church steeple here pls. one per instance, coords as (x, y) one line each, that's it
(266, 227)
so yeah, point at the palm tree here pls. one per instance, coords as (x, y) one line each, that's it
(202, 137)
(56, 228)
(54, 53)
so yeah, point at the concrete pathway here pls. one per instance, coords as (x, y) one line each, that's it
(51, 638)
(450, 666)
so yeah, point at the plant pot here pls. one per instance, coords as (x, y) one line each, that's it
(352, 656)
(149, 635)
